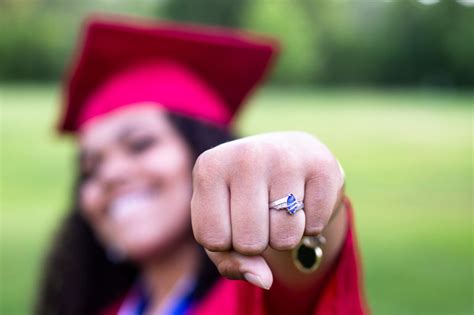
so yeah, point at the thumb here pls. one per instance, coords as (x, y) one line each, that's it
(233, 265)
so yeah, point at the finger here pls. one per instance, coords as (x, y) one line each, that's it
(210, 215)
(249, 214)
(286, 230)
(235, 266)
(321, 194)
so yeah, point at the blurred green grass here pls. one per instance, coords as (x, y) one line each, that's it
(408, 161)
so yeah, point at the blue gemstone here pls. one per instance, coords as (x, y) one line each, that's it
(291, 199)
(291, 204)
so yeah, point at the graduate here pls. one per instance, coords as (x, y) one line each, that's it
(171, 212)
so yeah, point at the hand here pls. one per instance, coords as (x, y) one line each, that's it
(233, 185)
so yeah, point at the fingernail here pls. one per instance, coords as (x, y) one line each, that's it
(255, 280)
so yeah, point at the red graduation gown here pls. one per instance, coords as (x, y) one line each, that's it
(342, 292)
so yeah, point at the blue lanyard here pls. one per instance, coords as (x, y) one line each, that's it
(181, 307)
(142, 305)
(142, 300)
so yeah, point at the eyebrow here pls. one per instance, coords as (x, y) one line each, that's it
(125, 132)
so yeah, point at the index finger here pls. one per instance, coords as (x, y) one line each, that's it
(210, 217)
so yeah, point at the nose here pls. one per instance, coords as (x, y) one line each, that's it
(115, 173)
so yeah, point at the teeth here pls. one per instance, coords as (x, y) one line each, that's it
(127, 204)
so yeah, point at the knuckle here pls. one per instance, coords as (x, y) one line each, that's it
(291, 157)
(313, 230)
(213, 243)
(207, 165)
(249, 247)
(327, 163)
(285, 243)
(247, 156)
(287, 163)
(274, 149)
(322, 174)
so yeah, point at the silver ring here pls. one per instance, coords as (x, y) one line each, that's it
(289, 203)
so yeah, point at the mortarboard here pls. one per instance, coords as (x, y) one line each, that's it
(203, 72)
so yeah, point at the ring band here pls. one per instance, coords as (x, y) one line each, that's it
(289, 203)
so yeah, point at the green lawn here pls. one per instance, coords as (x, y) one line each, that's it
(408, 161)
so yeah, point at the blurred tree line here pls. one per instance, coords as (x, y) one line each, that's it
(364, 42)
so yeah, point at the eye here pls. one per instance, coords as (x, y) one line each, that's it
(88, 166)
(140, 144)
(87, 171)
(86, 175)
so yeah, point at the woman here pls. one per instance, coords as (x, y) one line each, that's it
(159, 173)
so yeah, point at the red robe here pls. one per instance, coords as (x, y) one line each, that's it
(342, 292)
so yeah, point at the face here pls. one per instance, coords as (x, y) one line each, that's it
(137, 181)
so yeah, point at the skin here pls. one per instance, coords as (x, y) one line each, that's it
(142, 195)
(124, 154)
(242, 237)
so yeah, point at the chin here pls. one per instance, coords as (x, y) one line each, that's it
(142, 252)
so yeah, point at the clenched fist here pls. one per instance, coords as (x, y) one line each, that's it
(233, 186)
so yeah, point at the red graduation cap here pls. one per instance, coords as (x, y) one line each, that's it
(199, 71)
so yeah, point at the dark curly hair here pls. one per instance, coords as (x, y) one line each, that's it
(78, 276)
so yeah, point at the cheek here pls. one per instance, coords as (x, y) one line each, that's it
(91, 200)
(172, 165)
(171, 171)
